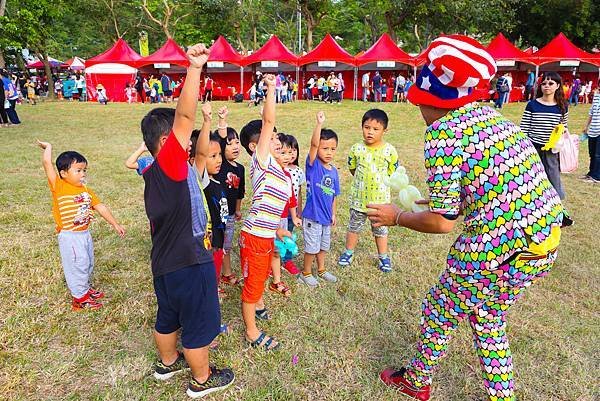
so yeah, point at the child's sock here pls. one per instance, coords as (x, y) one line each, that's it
(349, 251)
(321, 272)
(383, 255)
(307, 274)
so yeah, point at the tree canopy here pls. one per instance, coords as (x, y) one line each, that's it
(87, 27)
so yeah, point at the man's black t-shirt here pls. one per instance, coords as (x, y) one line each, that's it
(168, 207)
(217, 206)
(233, 180)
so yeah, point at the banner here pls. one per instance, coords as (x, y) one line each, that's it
(144, 51)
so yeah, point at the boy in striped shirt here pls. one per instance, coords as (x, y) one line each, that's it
(72, 207)
(271, 192)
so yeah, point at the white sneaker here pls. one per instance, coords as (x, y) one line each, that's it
(310, 280)
(328, 277)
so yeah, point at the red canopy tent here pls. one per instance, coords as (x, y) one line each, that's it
(501, 48)
(74, 63)
(561, 55)
(561, 48)
(113, 69)
(225, 68)
(325, 58)
(38, 65)
(383, 56)
(169, 53)
(270, 55)
(507, 55)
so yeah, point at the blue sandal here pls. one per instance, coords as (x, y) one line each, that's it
(264, 341)
(262, 314)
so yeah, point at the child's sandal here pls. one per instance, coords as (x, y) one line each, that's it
(231, 279)
(262, 314)
(280, 288)
(265, 342)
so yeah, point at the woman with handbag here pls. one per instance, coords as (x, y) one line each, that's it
(540, 118)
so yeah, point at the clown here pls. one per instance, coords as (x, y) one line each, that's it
(481, 165)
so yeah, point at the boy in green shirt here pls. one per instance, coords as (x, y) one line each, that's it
(370, 162)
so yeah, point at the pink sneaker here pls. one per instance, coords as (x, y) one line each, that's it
(395, 379)
(291, 267)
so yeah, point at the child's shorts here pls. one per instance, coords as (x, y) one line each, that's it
(187, 298)
(255, 256)
(317, 237)
(357, 223)
(229, 231)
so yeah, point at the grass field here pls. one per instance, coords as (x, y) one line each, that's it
(342, 334)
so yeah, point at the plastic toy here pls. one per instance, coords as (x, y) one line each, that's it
(408, 194)
(287, 245)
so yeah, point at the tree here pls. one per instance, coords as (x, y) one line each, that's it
(2, 11)
(32, 24)
(313, 12)
(166, 13)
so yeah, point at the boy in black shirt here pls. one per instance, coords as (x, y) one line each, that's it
(184, 279)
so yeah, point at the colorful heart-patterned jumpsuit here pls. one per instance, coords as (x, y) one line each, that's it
(482, 164)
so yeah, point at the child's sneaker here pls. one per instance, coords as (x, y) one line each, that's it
(85, 302)
(219, 379)
(396, 380)
(309, 280)
(164, 372)
(345, 259)
(95, 294)
(328, 277)
(385, 264)
(291, 267)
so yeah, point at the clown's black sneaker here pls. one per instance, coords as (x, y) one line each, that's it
(164, 372)
(219, 379)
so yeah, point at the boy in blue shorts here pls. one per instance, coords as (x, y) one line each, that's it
(370, 162)
(185, 283)
(322, 186)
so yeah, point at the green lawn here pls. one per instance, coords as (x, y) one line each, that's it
(342, 334)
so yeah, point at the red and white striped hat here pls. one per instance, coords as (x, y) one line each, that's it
(456, 64)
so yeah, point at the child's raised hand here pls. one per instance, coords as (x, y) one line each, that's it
(269, 80)
(223, 111)
(43, 145)
(207, 111)
(320, 117)
(197, 55)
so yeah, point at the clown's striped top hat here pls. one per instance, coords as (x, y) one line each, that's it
(455, 65)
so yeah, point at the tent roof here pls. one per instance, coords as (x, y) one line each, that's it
(384, 49)
(502, 49)
(561, 48)
(120, 53)
(170, 53)
(327, 50)
(39, 64)
(222, 50)
(274, 50)
(74, 63)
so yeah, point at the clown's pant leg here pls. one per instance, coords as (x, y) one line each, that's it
(484, 297)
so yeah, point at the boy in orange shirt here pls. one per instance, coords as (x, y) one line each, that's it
(72, 207)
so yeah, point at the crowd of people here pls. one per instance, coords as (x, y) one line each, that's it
(195, 186)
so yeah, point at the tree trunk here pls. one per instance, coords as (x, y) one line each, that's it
(309, 37)
(2, 62)
(390, 26)
(44, 57)
(238, 35)
(254, 43)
